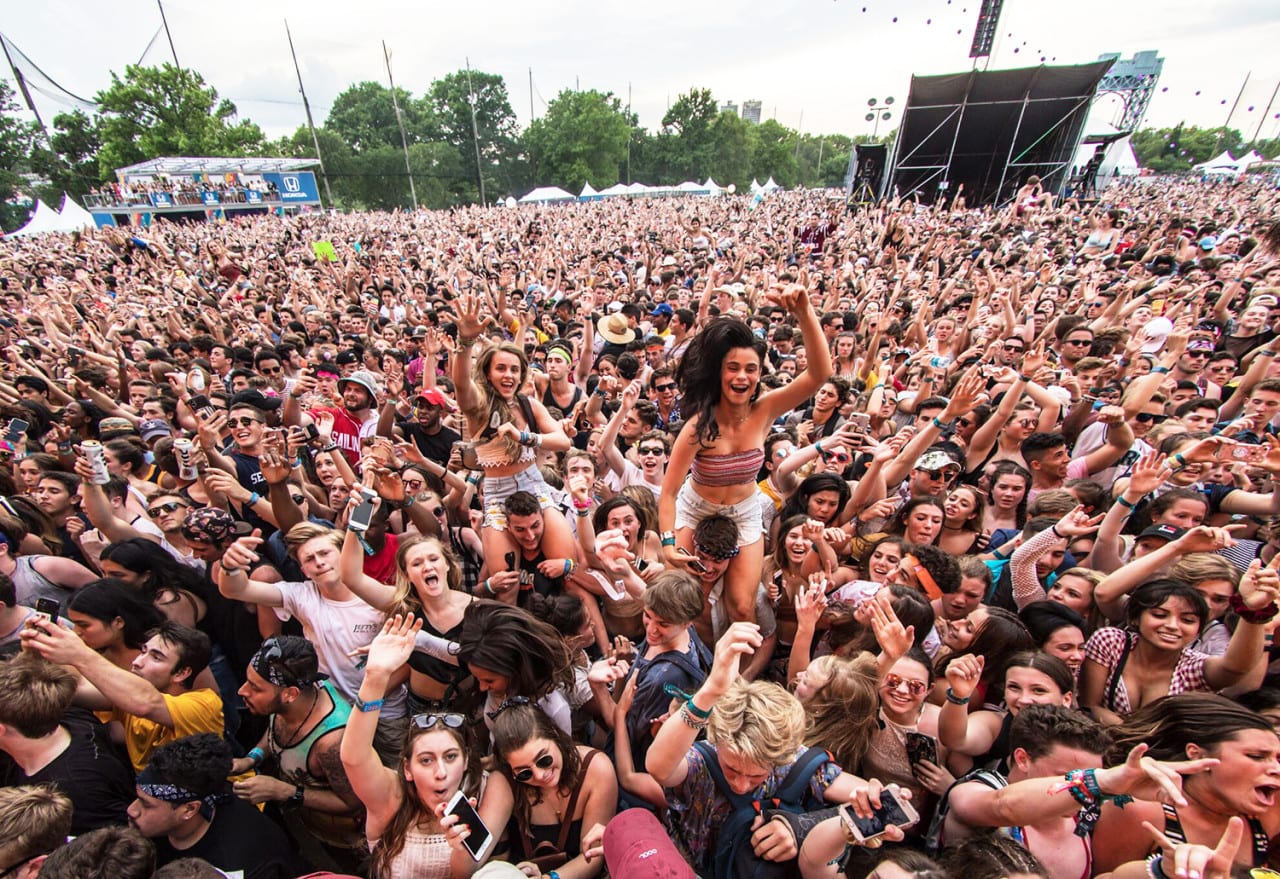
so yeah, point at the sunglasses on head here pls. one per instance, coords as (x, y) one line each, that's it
(526, 774)
(1148, 418)
(167, 507)
(429, 721)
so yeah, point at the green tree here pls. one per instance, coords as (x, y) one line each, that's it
(689, 145)
(495, 131)
(730, 157)
(167, 111)
(16, 138)
(773, 153)
(365, 117)
(1168, 150)
(582, 137)
(70, 160)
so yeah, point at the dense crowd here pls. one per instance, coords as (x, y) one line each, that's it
(717, 538)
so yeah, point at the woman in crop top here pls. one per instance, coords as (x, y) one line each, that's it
(722, 443)
(427, 585)
(489, 394)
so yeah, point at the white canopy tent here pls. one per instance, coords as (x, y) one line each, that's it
(712, 187)
(1222, 164)
(588, 193)
(544, 194)
(770, 185)
(73, 216)
(615, 189)
(43, 219)
(1252, 158)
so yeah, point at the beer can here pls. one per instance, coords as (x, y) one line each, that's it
(185, 451)
(97, 458)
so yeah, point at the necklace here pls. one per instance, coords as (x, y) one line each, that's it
(297, 730)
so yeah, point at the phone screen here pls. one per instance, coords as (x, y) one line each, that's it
(17, 427)
(921, 747)
(480, 839)
(47, 608)
(890, 812)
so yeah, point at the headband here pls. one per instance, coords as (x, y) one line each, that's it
(269, 662)
(152, 785)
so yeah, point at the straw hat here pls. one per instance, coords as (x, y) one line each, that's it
(613, 328)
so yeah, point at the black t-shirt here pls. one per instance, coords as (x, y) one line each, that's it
(435, 446)
(249, 475)
(240, 838)
(89, 772)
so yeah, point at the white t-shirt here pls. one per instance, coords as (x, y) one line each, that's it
(337, 628)
(632, 474)
(1093, 438)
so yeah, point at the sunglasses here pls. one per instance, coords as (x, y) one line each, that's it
(1077, 341)
(265, 371)
(243, 421)
(526, 774)
(1148, 418)
(915, 688)
(662, 389)
(647, 452)
(164, 508)
(429, 721)
(414, 483)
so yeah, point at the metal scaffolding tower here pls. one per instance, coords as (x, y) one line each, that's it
(1134, 80)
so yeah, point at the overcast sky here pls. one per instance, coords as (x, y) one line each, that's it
(812, 64)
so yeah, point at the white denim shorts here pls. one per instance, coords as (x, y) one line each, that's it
(692, 508)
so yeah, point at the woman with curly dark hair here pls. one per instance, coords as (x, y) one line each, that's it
(722, 442)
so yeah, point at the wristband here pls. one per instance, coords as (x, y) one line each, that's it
(256, 756)
(568, 567)
(1124, 503)
(254, 497)
(668, 538)
(487, 587)
(407, 502)
(1182, 462)
(696, 711)
(1056, 533)
(553, 875)
(332, 447)
(818, 446)
(583, 512)
(1265, 352)
(1024, 378)
(299, 793)
(1155, 866)
(957, 700)
(362, 705)
(464, 342)
(1250, 615)
(227, 571)
(941, 425)
(1160, 369)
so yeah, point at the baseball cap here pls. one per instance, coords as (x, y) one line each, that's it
(1164, 532)
(636, 846)
(345, 357)
(255, 398)
(435, 398)
(662, 308)
(936, 460)
(154, 427)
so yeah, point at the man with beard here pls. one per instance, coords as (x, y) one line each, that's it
(354, 420)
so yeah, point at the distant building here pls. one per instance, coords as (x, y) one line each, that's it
(729, 107)
(751, 111)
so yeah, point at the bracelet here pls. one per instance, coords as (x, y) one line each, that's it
(581, 505)
(1250, 615)
(362, 705)
(568, 567)
(332, 447)
(1182, 462)
(1155, 866)
(603, 395)
(299, 793)
(1124, 503)
(553, 875)
(1265, 352)
(256, 756)
(1160, 369)
(696, 711)
(1024, 378)
(226, 570)
(689, 719)
(942, 425)
(487, 587)
(957, 700)
(473, 479)
(1056, 533)
(464, 342)
(668, 538)
(818, 446)
(254, 497)
(583, 512)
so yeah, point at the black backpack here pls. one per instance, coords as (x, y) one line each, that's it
(734, 856)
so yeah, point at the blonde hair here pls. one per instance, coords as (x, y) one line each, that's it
(36, 820)
(406, 600)
(1196, 567)
(759, 720)
(842, 713)
(304, 532)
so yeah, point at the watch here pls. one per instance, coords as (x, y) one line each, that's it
(295, 799)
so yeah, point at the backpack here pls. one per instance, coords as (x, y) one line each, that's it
(933, 841)
(734, 856)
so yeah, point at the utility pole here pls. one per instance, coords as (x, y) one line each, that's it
(629, 129)
(169, 35)
(1223, 132)
(475, 133)
(530, 95)
(324, 175)
(404, 140)
(1266, 113)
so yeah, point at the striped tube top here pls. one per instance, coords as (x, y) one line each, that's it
(723, 470)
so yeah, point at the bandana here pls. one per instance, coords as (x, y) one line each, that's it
(151, 784)
(269, 662)
(208, 525)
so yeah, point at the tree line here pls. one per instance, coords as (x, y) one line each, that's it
(582, 137)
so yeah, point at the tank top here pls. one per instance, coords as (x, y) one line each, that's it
(424, 856)
(30, 584)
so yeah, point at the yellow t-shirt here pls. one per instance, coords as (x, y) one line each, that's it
(199, 711)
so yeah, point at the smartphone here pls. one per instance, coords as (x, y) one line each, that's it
(891, 812)
(861, 422)
(510, 559)
(480, 839)
(362, 516)
(921, 747)
(201, 406)
(17, 427)
(47, 608)
(694, 564)
(1248, 453)
(312, 432)
(614, 589)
